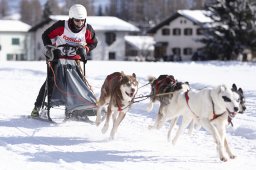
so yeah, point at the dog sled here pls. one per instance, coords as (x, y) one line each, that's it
(66, 86)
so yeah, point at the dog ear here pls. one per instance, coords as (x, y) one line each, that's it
(151, 79)
(134, 75)
(234, 88)
(240, 91)
(221, 88)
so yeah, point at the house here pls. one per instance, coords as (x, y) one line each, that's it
(12, 40)
(110, 32)
(139, 48)
(176, 37)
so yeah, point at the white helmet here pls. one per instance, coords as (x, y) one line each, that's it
(77, 11)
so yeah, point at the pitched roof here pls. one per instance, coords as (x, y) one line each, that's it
(141, 42)
(13, 26)
(196, 16)
(99, 23)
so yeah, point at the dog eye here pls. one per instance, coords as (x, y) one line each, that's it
(226, 99)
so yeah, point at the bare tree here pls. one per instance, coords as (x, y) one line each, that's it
(51, 7)
(30, 11)
(88, 4)
(4, 8)
(25, 11)
(36, 12)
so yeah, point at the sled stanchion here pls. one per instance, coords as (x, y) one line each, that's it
(48, 99)
(84, 69)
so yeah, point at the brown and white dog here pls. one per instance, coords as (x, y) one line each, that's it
(117, 93)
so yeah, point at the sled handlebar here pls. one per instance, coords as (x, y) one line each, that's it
(66, 51)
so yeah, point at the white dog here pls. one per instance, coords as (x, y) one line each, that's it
(186, 118)
(117, 93)
(209, 107)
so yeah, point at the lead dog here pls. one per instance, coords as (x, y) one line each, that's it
(189, 120)
(117, 93)
(204, 106)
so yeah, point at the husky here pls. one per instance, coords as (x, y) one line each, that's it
(185, 120)
(117, 94)
(209, 107)
(166, 90)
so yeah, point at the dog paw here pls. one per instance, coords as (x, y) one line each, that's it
(224, 159)
(232, 156)
(150, 127)
(104, 130)
(97, 123)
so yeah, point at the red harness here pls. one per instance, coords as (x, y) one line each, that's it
(214, 114)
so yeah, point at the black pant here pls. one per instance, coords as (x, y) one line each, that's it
(43, 91)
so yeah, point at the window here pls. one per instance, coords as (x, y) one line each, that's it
(176, 51)
(176, 31)
(110, 37)
(10, 57)
(165, 31)
(199, 31)
(183, 21)
(187, 51)
(15, 41)
(111, 55)
(188, 31)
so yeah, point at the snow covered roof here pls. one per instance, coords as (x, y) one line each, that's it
(106, 23)
(13, 26)
(141, 42)
(197, 16)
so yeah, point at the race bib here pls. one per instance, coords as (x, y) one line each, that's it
(68, 50)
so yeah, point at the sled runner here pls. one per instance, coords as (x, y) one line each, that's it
(66, 85)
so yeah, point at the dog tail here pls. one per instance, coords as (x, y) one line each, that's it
(151, 79)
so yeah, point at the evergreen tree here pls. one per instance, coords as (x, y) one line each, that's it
(232, 30)
(51, 8)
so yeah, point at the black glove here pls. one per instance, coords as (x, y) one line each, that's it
(52, 54)
(82, 52)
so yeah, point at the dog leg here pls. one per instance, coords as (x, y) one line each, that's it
(105, 127)
(212, 130)
(150, 106)
(159, 119)
(228, 149)
(116, 123)
(220, 126)
(172, 123)
(185, 121)
(98, 118)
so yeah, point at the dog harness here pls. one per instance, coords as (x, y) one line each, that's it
(215, 116)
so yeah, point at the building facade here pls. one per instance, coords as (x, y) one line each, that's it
(177, 37)
(12, 40)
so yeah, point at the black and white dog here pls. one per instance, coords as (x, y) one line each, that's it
(209, 107)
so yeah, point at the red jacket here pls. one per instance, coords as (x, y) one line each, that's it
(57, 29)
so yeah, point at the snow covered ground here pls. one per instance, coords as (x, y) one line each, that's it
(27, 144)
